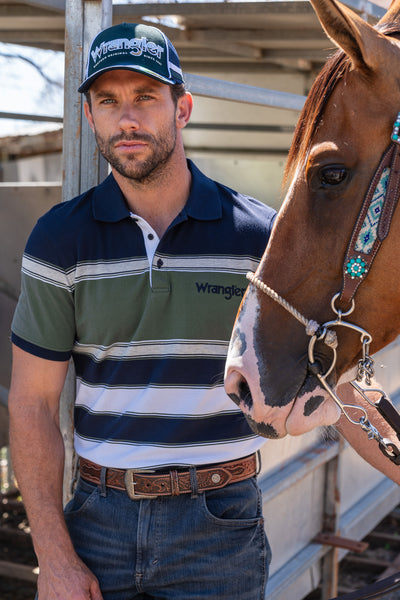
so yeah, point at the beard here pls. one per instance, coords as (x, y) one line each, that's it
(129, 166)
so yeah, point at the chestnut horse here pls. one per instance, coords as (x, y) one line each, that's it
(337, 236)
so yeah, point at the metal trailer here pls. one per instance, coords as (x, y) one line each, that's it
(310, 485)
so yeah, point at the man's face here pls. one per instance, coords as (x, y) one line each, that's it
(134, 119)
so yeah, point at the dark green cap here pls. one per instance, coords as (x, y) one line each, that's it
(136, 47)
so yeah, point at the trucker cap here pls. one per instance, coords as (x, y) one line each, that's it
(136, 47)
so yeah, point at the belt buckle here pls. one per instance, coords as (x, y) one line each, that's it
(130, 485)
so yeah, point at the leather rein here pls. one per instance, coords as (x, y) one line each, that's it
(370, 230)
(373, 591)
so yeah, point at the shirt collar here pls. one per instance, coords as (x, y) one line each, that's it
(108, 202)
(204, 202)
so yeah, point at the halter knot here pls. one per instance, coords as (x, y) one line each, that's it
(331, 339)
(312, 327)
(329, 336)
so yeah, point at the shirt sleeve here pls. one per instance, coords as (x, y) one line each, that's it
(44, 319)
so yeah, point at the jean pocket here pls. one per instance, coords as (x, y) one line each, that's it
(238, 504)
(85, 494)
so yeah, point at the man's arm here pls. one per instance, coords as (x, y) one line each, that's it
(368, 449)
(38, 460)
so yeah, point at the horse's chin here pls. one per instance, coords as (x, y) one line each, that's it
(312, 407)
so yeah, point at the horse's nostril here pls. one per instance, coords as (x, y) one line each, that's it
(237, 388)
(235, 398)
(241, 393)
(243, 389)
(244, 393)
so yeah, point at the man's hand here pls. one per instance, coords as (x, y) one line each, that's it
(67, 580)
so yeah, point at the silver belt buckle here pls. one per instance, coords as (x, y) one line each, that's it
(130, 485)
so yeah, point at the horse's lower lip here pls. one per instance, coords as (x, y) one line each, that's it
(312, 407)
(312, 383)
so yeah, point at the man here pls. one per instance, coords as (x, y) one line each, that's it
(139, 280)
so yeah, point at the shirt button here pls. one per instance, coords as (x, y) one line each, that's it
(160, 263)
(150, 236)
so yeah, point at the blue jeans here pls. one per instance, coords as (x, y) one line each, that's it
(210, 546)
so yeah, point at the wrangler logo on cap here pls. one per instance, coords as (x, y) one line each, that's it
(137, 46)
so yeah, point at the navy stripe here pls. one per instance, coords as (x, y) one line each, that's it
(87, 239)
(199, 371)
(39, 351)
(149, 429)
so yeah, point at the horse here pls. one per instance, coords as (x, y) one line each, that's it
(335, 246)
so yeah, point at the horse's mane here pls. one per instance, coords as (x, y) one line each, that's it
(311, 115)
(314, 106)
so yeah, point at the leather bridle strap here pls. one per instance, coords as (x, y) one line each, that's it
(375, 590)
(366, 239)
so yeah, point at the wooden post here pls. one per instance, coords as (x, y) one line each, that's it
(330, 562)
(83, 167)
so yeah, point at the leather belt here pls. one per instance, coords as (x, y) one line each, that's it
(141, 484)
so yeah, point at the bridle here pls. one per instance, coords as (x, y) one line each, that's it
(370, 230)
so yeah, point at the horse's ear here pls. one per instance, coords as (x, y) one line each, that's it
(393, 13)
(367, 48)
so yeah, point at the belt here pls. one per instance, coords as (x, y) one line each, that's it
(141, 484)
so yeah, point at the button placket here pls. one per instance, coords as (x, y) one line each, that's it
(151, 241)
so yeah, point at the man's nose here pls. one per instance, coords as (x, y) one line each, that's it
(128, 118)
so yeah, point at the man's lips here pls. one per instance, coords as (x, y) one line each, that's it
(130, 145)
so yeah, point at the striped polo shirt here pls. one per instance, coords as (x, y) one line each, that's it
(146, 321)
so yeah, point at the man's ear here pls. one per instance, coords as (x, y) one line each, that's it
(88, 114)
(184, 110)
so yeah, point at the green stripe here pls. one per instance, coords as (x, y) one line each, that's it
(31, 320)
(127, 308)
(121, 309)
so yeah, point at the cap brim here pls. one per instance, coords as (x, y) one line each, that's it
(85, 85)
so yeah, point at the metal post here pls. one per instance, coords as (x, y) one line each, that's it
(82, 165)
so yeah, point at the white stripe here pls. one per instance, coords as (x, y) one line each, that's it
(173, 67)
(105, 269)
(125, 456)
(110, 269)
(229, 264)
(154, 401)
(154, 349)
(125, 268)
(46, 273)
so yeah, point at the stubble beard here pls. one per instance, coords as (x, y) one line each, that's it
(140, 171)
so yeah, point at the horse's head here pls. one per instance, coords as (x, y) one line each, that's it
(343, 131)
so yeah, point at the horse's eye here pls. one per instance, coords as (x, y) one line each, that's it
(332, 175)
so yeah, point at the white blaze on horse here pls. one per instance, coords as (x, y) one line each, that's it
(334, 253)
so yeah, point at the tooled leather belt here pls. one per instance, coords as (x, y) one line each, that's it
(141, 484)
